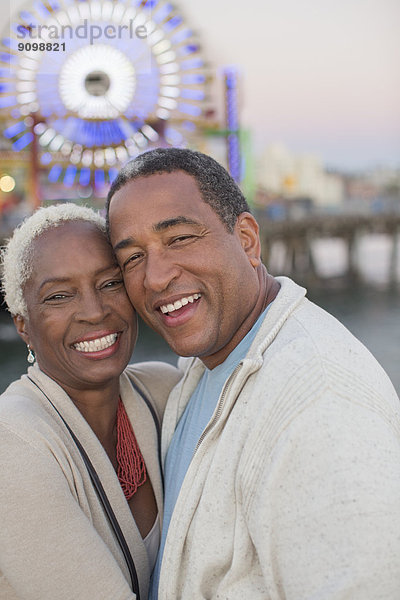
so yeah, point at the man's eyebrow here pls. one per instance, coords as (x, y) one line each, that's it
(160, 226)
(180, 220)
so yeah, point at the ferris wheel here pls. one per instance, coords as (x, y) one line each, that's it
(98, 81)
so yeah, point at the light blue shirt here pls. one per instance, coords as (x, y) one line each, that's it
(192, 423)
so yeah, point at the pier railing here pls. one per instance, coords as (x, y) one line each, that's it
(296, 237)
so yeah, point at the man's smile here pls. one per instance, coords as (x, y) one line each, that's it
(171, 307)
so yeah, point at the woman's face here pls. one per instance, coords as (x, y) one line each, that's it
(80, 322)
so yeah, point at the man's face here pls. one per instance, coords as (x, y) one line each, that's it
(188, 277)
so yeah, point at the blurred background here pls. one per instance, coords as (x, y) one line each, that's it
(299, 100)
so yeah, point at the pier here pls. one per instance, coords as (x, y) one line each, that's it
(296, 237)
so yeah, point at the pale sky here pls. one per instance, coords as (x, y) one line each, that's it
(320, 76)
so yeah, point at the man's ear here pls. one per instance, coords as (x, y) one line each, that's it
(248, 231)
(21, 327)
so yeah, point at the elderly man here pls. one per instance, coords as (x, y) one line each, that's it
(281, 444)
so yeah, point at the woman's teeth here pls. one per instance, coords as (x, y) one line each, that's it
(169, 308)
(96, 345)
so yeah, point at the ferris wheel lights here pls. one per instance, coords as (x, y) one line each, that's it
(112, 174)
(170, 91)
(87, 158)
(181, 35)
(95, 114)
(66, 148)
(8, 58)
(10, 43)
(166, 57)
(75, 159)
(95, 10)
(84, 10)
(117, 12)
(99, 178)
(25, 86)
(163, 13)
(23, 141)
(122, 154)
(161, 47)
(56, 143)
(7, 183)
(7, 101)
(24, 74)
(39, 128)
(150, 133)
(46, 137)
(84, 176)
(28, 63)
(193, 78)
(170, 80)
(192, 94)
(155, 37)
(42, 9)
(98, 158)
(140, 140)
(162, 113)
(46, 158)
(14, 130)
(173, 23)
(190, 109)
(54, 173)
(189, 126)
(69, 177)
(168, 103)
(192, 63)
(169, 68)
(106, 10)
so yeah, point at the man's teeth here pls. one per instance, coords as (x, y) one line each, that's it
(169, 308)
(96, 345)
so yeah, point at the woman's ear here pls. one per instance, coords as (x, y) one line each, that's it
(21, 327)
(248, 231)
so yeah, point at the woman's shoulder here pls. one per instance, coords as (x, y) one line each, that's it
(154, 378)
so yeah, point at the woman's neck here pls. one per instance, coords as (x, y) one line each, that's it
(99, 408)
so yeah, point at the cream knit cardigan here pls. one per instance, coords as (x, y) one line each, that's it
(55, 540)
(294, 491)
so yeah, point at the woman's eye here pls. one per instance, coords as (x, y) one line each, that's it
(113, 283)
(56, 297)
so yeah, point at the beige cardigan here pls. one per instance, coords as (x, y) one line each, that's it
(55, 540)
(294, 491)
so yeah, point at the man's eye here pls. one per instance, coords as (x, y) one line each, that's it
(183, 238)
(132, 259)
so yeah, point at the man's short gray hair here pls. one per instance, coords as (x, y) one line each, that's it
(217, 187)
(16, 260)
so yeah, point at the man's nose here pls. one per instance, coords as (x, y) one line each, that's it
(160, 271)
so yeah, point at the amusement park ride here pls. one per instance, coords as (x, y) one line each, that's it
(86, 85)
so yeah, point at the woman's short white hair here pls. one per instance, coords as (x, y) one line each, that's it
(16, 255)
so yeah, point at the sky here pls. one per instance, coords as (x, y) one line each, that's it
(320, 76)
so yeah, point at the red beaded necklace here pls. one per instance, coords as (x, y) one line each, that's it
(131, 469)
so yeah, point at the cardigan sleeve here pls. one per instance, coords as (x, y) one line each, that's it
(324, 514)
(48, 547)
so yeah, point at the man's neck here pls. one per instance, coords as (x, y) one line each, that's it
(268, 290)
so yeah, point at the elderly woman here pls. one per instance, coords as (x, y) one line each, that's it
(80, 481)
